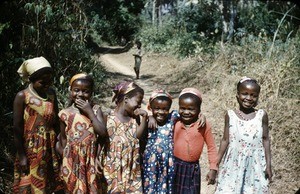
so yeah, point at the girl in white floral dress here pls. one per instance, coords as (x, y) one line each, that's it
(246, 167)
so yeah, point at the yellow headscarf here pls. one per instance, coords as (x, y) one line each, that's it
(30, 66)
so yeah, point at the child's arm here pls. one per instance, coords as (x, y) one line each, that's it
(202, 120)
(97, 121)
(143, 125)
(62, 137)
(18, 125)
(225, 140)
(266, 144)
(212, 154)
(56, 124)
(152, 124)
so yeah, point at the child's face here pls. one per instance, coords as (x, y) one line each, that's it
(247, 96)
(42, 84)
(189, 110)
(81, 89)
(160, 110)
(133, 103)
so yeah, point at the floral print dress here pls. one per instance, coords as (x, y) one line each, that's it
(121, 158)
(158, 159)
(244, 163)
(78, 168)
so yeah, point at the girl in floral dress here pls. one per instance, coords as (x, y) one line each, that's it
(158, 159)
(36, 168)
(80, 124)
(125, 125)
(247, 163)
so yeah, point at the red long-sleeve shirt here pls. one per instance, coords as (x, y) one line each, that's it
(189, 142)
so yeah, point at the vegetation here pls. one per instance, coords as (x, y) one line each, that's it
(224, 39)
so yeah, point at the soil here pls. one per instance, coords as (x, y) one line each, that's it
(154, 70)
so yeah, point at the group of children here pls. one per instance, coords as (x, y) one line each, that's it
(81, 150)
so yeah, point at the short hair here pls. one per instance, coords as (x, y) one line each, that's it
(248, 80)
(163, 98)
(193, 96)
(87, 78)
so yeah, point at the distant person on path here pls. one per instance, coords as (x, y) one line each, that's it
(80, 124)
(35, 122)
(246, 144)
(137, 58)
(120, 157)
(189, 140)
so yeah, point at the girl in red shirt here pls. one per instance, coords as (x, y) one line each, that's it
(188, 144)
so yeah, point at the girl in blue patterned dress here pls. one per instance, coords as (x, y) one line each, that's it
(245, 145)
(158, 169)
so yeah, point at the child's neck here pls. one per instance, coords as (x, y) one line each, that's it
(122, 115)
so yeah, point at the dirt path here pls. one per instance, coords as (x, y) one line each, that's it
(123, 64)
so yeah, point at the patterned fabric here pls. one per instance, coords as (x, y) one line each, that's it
(187, 177)
(158, 160)
(40, 138)
(122, 160)
(244, 162)
(78, 167)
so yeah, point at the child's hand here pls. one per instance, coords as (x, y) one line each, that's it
(268, 174)
(140, 112)
(24, 165)
(152, 124)
(211, 177)
(84, 106)
(202, 120)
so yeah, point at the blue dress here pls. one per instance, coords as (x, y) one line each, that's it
(158, 158)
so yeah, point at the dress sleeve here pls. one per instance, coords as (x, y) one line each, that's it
(174, 116)
(211, 147)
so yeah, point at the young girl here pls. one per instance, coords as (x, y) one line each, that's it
(247, 162)
(125, 125)
(80, 124)
(158, 159)
(188, 144)
(36, 168)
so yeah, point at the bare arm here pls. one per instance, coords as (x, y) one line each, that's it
(225, 140)
(97, 120)
(266, 144)
(18, 126)
(143, 125)
(62, 136)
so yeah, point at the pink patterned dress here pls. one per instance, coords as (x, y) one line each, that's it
(78, 168)
(121, 163)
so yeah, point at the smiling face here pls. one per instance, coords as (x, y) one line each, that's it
(189, 108)
(81, 89)
(247, 95)
(132, 103)
(160, 107)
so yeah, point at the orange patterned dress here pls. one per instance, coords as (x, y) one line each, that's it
(78, 167)
(40, 138)
(122, 161)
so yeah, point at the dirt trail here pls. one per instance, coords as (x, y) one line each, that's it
(123, 64)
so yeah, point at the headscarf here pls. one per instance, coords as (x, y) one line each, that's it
(77, 76)
(122, 89)
(191, 91)
(245, 79)
(157, 93)
(31, 66)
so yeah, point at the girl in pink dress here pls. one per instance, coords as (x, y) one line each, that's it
(125, 125)
(80, 125)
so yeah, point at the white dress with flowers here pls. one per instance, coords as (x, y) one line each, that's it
(244, 163)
